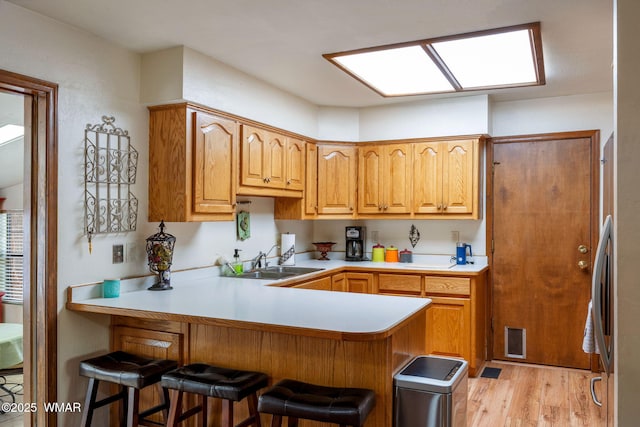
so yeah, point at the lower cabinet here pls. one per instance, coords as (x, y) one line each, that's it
(322, 284)
(145, 338)
(449, 327)
(352, 282)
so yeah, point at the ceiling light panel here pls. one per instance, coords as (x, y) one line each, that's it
(396, 72)
(497, 58)
(502, 59)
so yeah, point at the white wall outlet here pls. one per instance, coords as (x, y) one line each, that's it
(375, 236)
(455, 236)
(132, 253)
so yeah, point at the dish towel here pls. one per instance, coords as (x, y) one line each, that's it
(589, 344)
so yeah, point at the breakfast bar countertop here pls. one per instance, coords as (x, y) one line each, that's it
(249, 304)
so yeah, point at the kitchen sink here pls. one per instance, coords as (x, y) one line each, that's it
(277, 272)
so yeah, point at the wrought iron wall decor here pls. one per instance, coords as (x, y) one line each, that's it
(110, 167)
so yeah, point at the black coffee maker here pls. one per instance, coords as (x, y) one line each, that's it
(355, 239)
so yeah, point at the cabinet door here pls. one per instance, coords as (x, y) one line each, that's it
(311, 184)
(214, 164)
(458, 177)
(339, 282)
(254, 151)
(397, 179)
(323, 284)
(155, 344)
(370, 179)
(295, 164)
(427, 178)
(359, 282)
(336, 179)
(274, 167)
(449, 327)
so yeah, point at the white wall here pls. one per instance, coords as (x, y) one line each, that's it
(14, 196)
(439, 117)
(560, 114)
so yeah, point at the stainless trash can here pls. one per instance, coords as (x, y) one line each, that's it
(431, 391)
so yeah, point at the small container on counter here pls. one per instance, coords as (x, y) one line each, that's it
(391, 255)
(406, 256)
(377, 253)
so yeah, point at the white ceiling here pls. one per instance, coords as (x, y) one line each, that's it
(281, 41)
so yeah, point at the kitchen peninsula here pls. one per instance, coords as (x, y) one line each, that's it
(330, 338)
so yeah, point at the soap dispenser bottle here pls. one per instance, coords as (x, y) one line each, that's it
(237, 264)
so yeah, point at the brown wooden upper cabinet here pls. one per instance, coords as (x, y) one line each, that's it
(337, 180)
(272, 164)
(446, 178)
(384, 179)
(192, 164)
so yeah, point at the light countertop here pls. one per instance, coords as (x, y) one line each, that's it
(202, 296)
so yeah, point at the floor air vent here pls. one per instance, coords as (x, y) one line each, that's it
(515, 342)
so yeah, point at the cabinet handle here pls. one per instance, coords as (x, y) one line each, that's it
(265, 180)
(350, 208)
(288, 182)
(439, 207)
(444, 208)
(386, 207)
(379, 207)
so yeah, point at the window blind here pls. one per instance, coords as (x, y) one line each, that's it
(11, 255)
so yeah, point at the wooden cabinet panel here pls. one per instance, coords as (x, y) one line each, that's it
(400, 284)
(214, 164)
(192, 164)
(458, 177)
(339, 282)
(307, 206)
(446, 178)
(427, 179)
(295, 166)
(271, 163)
(449, 327)
(323, 284)
(448, 285)
(359, 282)
(384, 179)
(337, 180)
(149, 343)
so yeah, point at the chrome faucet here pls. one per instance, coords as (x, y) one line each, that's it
(257, 261)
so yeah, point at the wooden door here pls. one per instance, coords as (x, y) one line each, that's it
(370, 177)
(448, 330)
(274, 166)
(544, 191)
(427, 178)
(337, 179)
(457, 177)
(295, 167)
(214, 169)
(254, 150)
(397, 178)
(359, 282)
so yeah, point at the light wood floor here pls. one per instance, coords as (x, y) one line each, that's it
(531, 395)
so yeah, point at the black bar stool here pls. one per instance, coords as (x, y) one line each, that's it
(132, 373)
(299, 400)
(204, 380)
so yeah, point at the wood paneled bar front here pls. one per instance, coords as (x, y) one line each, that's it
(328, 338)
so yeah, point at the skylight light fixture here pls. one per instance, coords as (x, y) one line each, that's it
(491, 59)
(9, 133)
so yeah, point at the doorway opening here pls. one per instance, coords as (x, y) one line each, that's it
(40, 241)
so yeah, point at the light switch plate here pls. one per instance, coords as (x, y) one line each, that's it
(117, 254)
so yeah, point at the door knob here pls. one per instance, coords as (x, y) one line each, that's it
(583, 264)
(583, 249)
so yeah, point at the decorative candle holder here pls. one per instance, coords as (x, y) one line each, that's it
(160, 254)
(323, 248)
